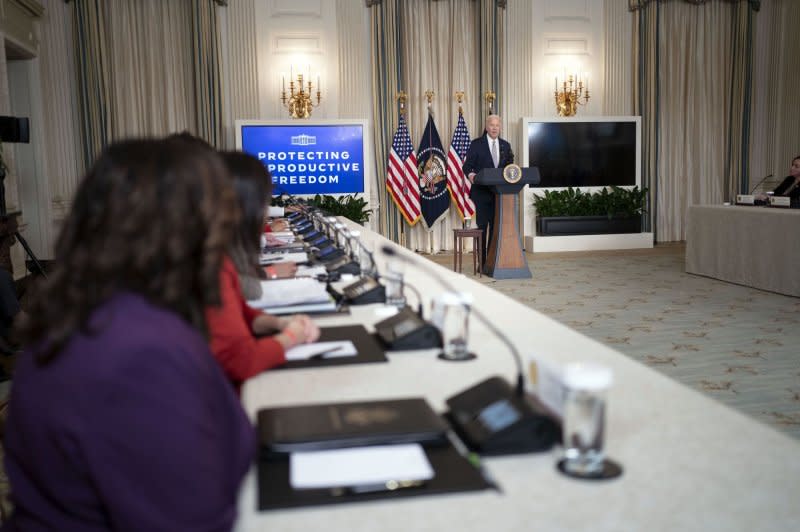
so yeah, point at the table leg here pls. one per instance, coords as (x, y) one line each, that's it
(456, 252)
(480, 255)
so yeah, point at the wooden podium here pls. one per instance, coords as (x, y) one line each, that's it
(504, 258)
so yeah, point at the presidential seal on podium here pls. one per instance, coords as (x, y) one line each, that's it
(512, 173)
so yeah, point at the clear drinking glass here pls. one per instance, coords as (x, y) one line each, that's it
(393, 282)
(330, 229)
(450, 314)
(365, 259)
(584, 418)
(353, 244)
(341, 235)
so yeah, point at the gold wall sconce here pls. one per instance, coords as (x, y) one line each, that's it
(569, 92)
(299, 100)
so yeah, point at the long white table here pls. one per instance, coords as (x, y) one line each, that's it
(752, 246)
(690, 463)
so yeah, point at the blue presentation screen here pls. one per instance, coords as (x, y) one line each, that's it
(309, 159)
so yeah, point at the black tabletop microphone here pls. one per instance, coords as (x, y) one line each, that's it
(520, 388)
(418, 296)
(760, 183)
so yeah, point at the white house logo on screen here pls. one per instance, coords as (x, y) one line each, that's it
(303, 140)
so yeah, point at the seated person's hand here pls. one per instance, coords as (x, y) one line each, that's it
(272, 240)
(281, 270)
(312, 331)
(279, 225)
(292, 208)
(300, 330)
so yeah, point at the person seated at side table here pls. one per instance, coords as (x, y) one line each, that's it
(118, 407)
(238, 332)
(790, 186)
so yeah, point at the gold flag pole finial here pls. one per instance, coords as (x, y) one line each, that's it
(402, 98)
(490, 97)
(460, 100)
(429, 94)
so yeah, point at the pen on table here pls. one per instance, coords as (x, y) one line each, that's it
(474, 459)
(324, 353)
(389, 485)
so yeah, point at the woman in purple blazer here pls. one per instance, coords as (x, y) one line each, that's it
(120, 418)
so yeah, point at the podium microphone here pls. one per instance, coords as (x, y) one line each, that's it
(520, 388)
(760, 183)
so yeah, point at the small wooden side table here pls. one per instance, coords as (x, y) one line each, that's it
(477, 249)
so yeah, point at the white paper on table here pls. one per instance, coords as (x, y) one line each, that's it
(310, 271)
(359, 466)
(286, 238)
(275, 258)
(284, 292)
(342, 348)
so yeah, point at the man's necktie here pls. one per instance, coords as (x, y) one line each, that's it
(495, 155)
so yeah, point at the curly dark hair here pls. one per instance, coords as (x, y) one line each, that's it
(253, 185)
(153, 217)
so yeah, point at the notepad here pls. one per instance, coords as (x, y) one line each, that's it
(285, 292)
(343, 348)
(359, 466)
(304, 308)
(310, 271)
(274, 258)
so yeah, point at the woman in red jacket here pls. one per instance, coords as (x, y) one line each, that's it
(246, 341)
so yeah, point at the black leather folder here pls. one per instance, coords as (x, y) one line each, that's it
(354, 424)
(368, 348)
(284, 430)
(452, 473)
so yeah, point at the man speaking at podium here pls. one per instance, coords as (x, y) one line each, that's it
(486, 151)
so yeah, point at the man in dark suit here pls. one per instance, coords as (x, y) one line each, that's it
(486, 151)
(791, 185)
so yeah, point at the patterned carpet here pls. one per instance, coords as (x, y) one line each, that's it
(736, 344)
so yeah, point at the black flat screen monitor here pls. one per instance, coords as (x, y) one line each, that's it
(584, 154)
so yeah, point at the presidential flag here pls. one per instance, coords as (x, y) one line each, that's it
(457, 182)
(432, 169)
(401, 175)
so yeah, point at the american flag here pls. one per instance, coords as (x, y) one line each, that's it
(457, 182)
(401, 176)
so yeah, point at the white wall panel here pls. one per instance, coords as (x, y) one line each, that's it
(300, 34)
(567, 10)
(566, 44)
(296, 8)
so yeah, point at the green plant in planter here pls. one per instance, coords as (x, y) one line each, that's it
(613, 202)
(348, 206)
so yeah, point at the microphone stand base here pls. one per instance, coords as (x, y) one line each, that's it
(610, 470)
(460, 358)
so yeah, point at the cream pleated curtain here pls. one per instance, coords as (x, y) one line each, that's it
(385, 58)
(438, 55)
(775, 134)
(693, 92)
(421, 45)
(149, 67)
